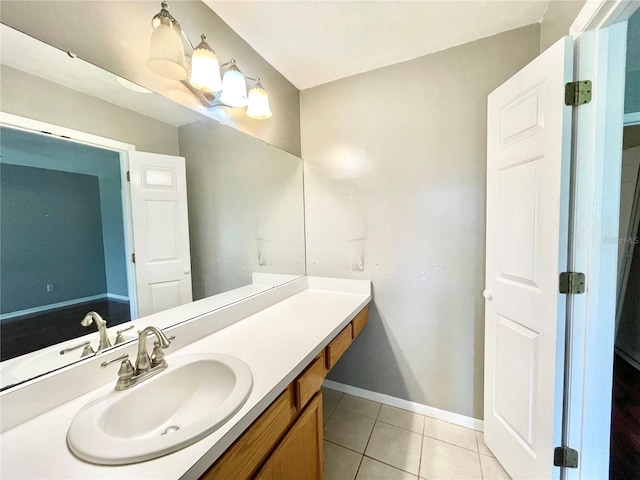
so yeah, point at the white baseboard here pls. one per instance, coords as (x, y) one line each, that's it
(426, 410)
(631, 118)
(122, 298)
(67, 303)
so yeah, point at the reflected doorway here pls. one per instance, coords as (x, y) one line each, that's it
(62, 237)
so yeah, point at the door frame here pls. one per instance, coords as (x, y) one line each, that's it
(41, 128)
(600, 46)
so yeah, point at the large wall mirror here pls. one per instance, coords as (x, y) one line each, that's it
(66, 228)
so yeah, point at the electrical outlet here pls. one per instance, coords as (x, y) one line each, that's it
(50, 287)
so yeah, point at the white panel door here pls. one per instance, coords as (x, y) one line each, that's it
(161, 232)
(528, 161)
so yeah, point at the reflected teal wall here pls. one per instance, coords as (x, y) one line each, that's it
(53, 172)
(632, 87)
(50, 232)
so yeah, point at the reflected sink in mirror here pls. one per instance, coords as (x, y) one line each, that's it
(194, 396)
(33, 364)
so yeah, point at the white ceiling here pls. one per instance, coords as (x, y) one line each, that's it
(315, 42)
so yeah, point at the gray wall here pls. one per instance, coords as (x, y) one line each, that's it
(245, 203)
(115, 36)
(51, 230)
(395, 166)
(33, 97)
(557, 20)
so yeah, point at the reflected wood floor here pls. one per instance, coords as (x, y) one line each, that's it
(29, 333)
(625, 422)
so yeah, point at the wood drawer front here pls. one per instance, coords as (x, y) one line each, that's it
(338, 346)
(309, 382)
(360, 321)
(246, 455)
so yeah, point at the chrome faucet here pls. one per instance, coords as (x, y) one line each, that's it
(146, 366)
(143, 361)
(92, 317)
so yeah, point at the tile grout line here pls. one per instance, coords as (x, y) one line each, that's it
(479, 458)
(359, 465)
(369, 439)
(421, 447)
(454, 444)
(372, 458)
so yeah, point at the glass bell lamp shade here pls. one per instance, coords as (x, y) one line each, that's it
(234, 87)
(205, 69)
(166, 57)
(258, 107)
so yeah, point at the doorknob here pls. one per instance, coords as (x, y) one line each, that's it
(187, 271)
(488, 295)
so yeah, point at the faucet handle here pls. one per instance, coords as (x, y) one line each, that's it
(157, 356)
(75, 347)
(119, 336)
(87, 350)
(125, 373)
(106, 363)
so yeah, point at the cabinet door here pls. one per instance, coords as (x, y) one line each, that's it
(299, 455)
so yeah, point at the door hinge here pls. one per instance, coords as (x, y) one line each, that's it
(565, 457)
(572, 282)
(133, 258)
(128, 176)
(577, 93)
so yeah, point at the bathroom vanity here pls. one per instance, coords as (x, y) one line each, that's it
(290, 337)
(286, 441)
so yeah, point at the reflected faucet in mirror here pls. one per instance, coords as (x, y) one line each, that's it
(92, 317)
(86, 351)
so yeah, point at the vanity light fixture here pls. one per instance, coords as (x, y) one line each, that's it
(200, 72)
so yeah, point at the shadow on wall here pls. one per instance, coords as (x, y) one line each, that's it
(386, 358)
(389, 371)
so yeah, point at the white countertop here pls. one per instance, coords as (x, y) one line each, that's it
(277, 343)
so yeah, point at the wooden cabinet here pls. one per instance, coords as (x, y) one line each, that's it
(309, 382)
(299, 456)
(285, 442)
(245, 456)
(338, 346)
(360, 321)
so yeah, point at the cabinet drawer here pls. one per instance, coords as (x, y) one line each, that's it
(242, 459)
(360, 321)
(338, 346)
(309, 382)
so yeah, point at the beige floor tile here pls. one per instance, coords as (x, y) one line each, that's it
(492, 470)
(371, 469)
(348, 430)
(402, 418)
(482, 448)
(442, 460)
(358, 405)
(330, 399)
(395, 446)
(340, 463)
(450, 433)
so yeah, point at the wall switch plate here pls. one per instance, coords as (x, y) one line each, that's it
(50, 287)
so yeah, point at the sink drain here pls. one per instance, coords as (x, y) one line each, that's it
(170, 429)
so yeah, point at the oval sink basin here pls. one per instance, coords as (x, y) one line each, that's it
(194, 396)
